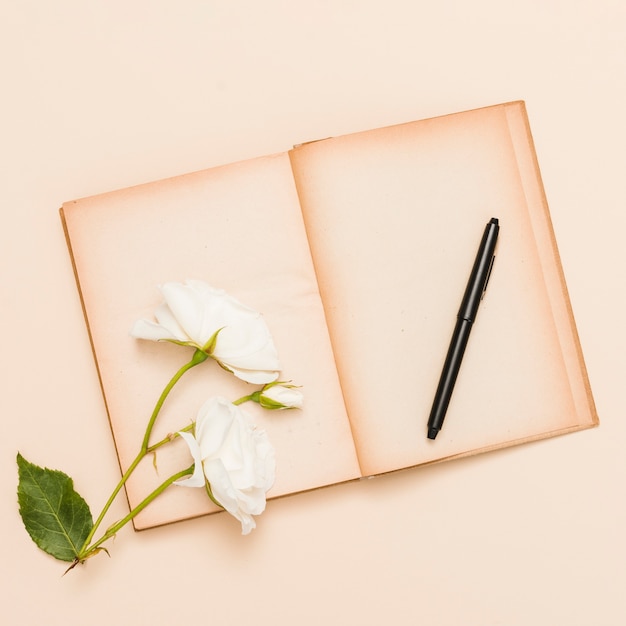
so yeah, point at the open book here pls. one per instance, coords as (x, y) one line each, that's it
(356, 250)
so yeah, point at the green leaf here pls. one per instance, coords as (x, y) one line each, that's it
(55, 516)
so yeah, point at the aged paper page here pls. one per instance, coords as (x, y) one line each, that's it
(394, 218)
(239, 228)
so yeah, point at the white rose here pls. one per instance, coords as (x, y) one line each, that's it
(280, 396)
(233, 459)
(195, 314)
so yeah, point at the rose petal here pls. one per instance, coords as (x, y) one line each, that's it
(256, 377)
(197, 478)
(247, 523)
(214, 421)
(188, 309)
(165, 318)
(144, 329)
(244, 335)
(221, 485)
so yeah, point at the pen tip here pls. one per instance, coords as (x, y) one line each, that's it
(494, 220)
(432, 433)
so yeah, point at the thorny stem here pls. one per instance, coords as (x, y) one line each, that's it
(198, 357)
(87, 551)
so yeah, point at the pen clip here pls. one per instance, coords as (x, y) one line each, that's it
(493, 258)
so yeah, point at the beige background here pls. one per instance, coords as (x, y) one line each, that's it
(101, 95)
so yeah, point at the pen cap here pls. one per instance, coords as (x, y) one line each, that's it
(479, 277)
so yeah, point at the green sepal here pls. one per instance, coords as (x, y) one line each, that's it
(209, 346)
(178, 342)
(57, 518)
(209, 492)
(268, 403)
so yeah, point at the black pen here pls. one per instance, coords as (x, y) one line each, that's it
(465, 319)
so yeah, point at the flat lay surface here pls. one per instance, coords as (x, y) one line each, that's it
(101, 96)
